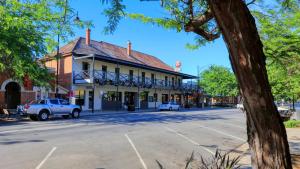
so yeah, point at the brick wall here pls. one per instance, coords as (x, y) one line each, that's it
(2, 98)
(27, 97)
(65, 70)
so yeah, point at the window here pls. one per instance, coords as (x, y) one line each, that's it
(85, 66)
(155, 97)
(152, 79)
(144, 96)
(166, 80)
(143, 77)
(54, 101)
(104, 71)
(112, 96)
(117, 72)
(79, 97)
(42, 102)
(131, 75)
(179, 82)
(63, 102)
(173, 81)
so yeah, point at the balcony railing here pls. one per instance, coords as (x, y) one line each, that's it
(120, 79)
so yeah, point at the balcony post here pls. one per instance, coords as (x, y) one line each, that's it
(93, 105)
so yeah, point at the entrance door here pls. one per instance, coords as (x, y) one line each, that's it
(164, 98)
(12, 95)
(91, 100)
(130, 98)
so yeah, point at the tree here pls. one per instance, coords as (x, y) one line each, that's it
(27, 30)
(233, 20)
(216, 85)
(279, 29)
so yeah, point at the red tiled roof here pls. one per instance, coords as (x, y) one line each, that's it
(79, 46)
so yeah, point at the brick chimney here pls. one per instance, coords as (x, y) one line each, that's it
(88, 37)
(129, 48)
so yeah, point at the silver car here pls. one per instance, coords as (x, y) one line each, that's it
(43, 109)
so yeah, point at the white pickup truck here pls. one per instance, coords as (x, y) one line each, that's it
(43, 109)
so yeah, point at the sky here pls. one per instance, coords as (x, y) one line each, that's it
(167, 45)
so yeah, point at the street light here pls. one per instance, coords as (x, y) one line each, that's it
(57, 48)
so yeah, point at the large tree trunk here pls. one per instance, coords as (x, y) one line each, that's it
(266, 133)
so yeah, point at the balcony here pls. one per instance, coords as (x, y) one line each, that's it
(112, 78)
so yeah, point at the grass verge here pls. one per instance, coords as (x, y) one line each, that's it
(292, 123)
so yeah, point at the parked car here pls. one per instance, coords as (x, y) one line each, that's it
(284, 112)
(43, 109)
(240, 106)
(169, 106)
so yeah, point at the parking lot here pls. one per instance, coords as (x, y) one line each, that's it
(127, 141)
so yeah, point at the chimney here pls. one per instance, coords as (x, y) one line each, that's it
(129, 48)
(88, 37)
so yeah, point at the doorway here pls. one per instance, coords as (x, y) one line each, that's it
(12, 95)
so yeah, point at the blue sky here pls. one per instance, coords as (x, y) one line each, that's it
(168, 45)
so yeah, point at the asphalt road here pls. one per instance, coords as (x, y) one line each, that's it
(120, 141)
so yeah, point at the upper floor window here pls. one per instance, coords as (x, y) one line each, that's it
(117, 72)
(104, 72)
(179, 81)
(143, 77)
(173, 81)
(85, 66)
(166, 80)
(152, 78)
(130, 75)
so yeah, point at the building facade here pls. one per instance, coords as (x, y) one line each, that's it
(103, 76)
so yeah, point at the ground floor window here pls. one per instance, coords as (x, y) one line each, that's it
(155, 97)
(164, 98)
(112, 96)
(79, 97)
(130, 98)
(178, 98)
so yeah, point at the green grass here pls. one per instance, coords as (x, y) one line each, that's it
(292, 123)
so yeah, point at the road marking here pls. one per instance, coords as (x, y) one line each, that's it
(137, 153)
(221, 132)
(190, 140)
(39, 129)
(46, 158)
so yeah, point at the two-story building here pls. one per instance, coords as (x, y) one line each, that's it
(104, 76)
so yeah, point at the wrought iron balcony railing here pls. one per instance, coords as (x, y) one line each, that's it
(120, 79)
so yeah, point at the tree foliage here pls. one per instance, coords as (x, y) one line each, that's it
(279, 29)
(27, 32)
(218, 81)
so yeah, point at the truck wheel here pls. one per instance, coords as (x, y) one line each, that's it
(170, 108)
(43, 115)
(76, 113)
(33, 117)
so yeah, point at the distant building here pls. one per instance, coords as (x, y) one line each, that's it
(104, 76)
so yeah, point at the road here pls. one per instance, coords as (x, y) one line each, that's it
(121, 141)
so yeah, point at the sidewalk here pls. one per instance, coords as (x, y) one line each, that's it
(294, 142)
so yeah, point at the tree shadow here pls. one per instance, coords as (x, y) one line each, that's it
(10, 142)
(142, 118)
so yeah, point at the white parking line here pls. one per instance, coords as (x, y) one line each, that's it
(39, 129)
(137, 153)
(190, 140)
(221, 132)
(46, 158)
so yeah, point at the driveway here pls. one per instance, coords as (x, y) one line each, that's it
(115, 141)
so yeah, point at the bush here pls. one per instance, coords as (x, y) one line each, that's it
(218, 161)
(292, 123)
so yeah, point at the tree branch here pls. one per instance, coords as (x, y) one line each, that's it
(194, 25)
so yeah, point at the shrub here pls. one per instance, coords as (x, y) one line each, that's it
(218, 161)
(292, 123)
